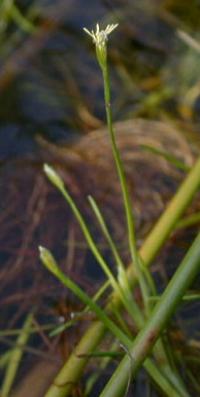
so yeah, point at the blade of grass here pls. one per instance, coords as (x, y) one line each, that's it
(5, 358)
(57, 181)
(50, 263)
(159, 350)
(17, 331)
(58, 388)
(21, 21)
(168, 156)
(148, 252)
(189, 221)
(122, 276)
(90, 383)
(167, 221)
(143, 343)
(131, 305)
(60, 328)
(190, 297)
(15, 357)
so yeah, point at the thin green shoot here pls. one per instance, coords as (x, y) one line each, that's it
(179, 164)
(100, 354)
(5, 358)
(124, 187)
(48, 260)
(21, 21)
(15, 357)
(73, 367)
(50, 263)
(62, 327)
(190, 297)
(121, 271)
(131, 306)
(9, 11)
(32, 330)
(163, 311)
(57, 181)
(188, 221)
(103, 363)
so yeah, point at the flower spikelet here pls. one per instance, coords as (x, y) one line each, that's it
(100, 38)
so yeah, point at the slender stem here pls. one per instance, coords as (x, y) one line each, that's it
(51, 264)
(91, 243)
(133, 309)
(119, 165)
(56, 390)
(16, 356)
(159, 350)
(131, 305)
(74, 366)
(145, 280)
(124, 187)
(163, 311)
(172, 214)
(121, 270)
(189, 221)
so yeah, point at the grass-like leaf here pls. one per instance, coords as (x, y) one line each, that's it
(50, 263)
(13, 360)
(163, 311)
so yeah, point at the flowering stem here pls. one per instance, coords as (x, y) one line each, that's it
(118, 161)
(123, 183)
(136, 260)
(74, 366)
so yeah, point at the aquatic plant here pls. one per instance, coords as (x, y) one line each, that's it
(150, 321)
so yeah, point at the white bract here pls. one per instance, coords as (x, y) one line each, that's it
(100, 38)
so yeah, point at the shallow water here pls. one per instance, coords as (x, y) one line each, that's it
(50, 85)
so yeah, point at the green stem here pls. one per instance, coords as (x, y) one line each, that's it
(131, 305)
(124, 187)
(144, 277)
(190, 220)
(75, 365)
(15, 357)
(162, 313)
(57, 389)
(172, 214)
(159, 350)
(119, 164)
(121, 270)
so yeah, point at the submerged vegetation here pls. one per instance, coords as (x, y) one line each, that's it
(112, 323)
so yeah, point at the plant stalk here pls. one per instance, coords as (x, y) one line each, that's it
(74, 366)
(145, 340)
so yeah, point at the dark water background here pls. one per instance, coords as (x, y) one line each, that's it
(50, 85)
(47, 77)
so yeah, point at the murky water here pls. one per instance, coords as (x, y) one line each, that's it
(51, 86)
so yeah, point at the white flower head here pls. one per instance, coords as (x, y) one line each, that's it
(100, 38)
